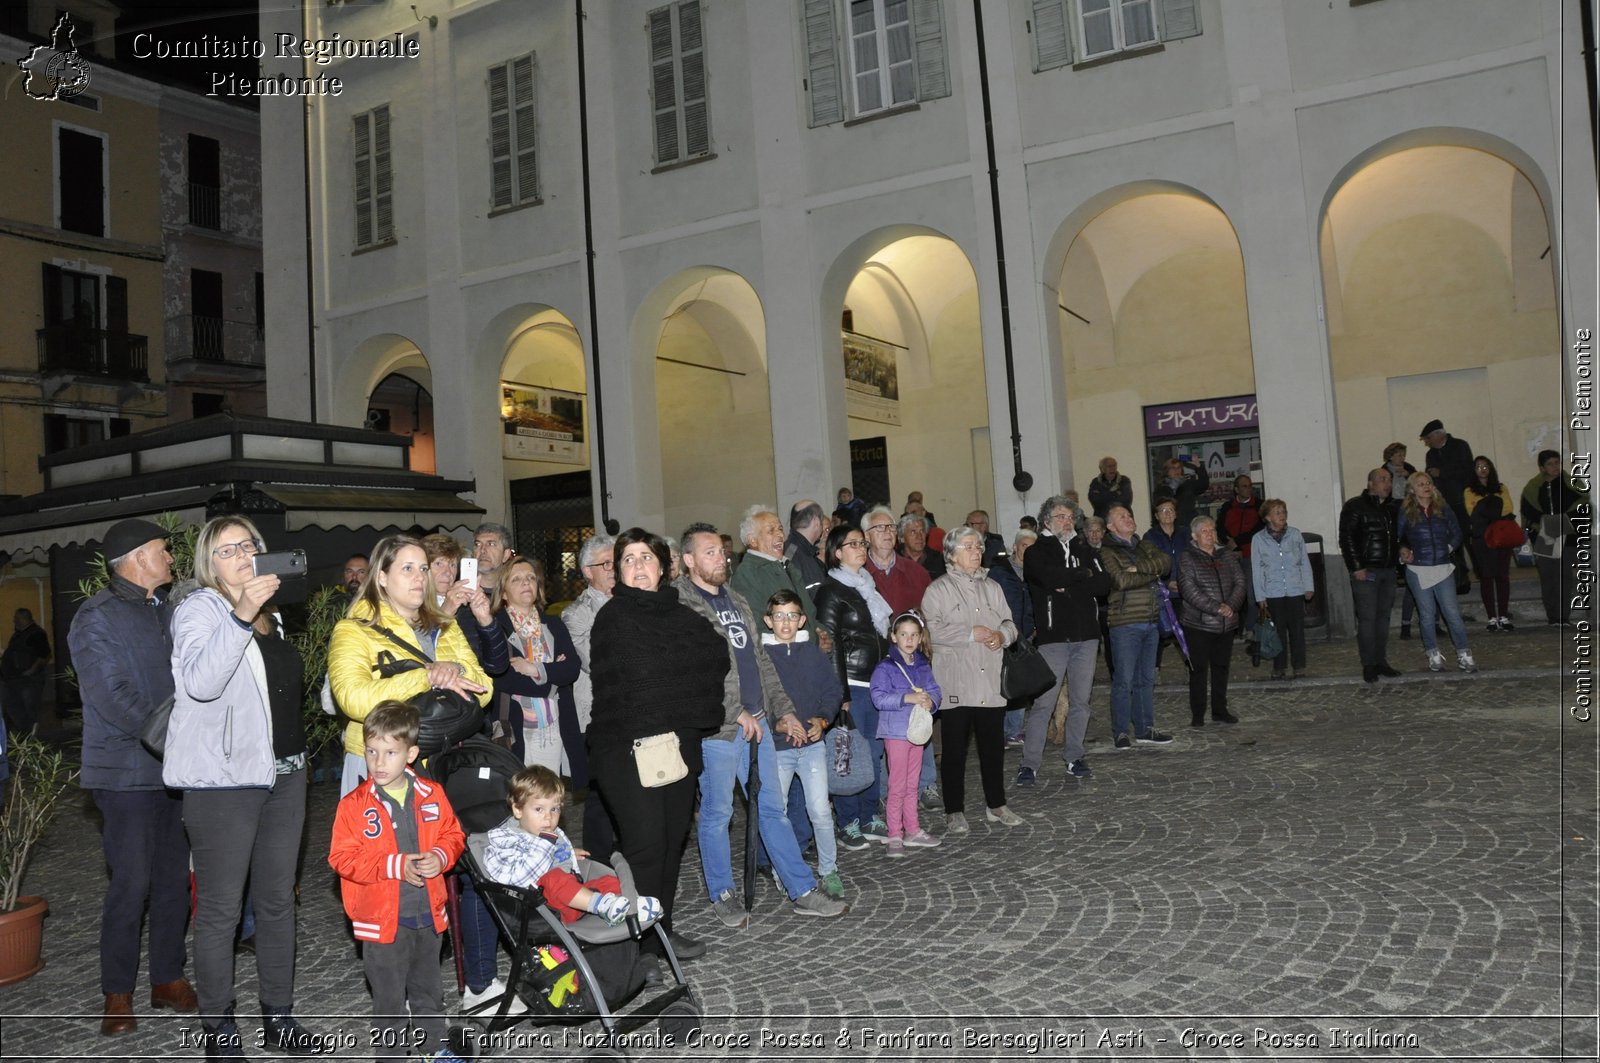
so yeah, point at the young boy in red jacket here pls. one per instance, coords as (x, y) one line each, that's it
(394, 836)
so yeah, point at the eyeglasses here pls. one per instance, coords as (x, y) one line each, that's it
(249, 548)
(881, 527)
(603, 566)
(786, 616)
(853, 542)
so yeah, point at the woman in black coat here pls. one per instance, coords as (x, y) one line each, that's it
(852, 611)
(658, 668)
(1213, 597)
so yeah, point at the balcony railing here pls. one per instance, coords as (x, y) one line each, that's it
(205, 206)
(213, 339)
(73, 348)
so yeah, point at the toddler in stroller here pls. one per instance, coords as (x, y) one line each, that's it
(573, 924)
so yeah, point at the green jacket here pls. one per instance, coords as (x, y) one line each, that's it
(757, 577)
(778, 704)
(1133, 594)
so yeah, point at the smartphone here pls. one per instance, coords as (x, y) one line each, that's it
(282, 563)
(469, 571)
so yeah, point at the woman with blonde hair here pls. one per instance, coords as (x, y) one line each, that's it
(396, 603)
(1428, 533)
(236, 747)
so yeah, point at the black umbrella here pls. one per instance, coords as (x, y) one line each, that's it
(752, 826)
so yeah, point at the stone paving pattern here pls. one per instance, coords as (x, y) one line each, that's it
(1416, 860)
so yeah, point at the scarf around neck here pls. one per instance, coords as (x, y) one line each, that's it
(862, 581)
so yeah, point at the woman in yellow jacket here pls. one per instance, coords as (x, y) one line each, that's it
(398, 595)
(1487, 500)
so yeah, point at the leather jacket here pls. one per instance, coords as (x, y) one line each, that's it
(857, 647)
(1366, 532)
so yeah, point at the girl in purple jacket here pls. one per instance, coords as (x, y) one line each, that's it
(903, 680)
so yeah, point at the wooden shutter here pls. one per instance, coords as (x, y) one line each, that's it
(363, 179)
(933, 69)
(525, 127)
(117, 303)
(382, 178)
(664, 86)
(1180, 19)
(1052, 40)
(692, 76)
(501, 190)
(818, 20)
(54, 302)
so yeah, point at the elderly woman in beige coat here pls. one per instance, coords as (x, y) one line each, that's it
(970, 623)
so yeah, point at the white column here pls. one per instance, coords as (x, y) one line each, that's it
(810, 433)
(1277, 227)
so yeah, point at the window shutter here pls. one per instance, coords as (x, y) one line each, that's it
(363, 179)
(382, 177)
(1180, 19)
(54, 301)
(664, 87)
(692, 63)
(933, 70)
(117, 304)
(822, 62)
(527, 146)
(500, 137)
(1052, 41)
(82, 188)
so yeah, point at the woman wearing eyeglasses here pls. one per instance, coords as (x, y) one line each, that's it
(852, 611)
(236, 747)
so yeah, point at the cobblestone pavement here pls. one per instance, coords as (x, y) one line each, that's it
(1350, 872)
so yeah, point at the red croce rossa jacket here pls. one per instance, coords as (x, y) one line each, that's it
(368, 860)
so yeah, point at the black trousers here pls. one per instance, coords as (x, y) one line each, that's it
(1290, 616)
(407, 993)
(148, 853)
(988, 724)
(652, 824)
(1210, 653)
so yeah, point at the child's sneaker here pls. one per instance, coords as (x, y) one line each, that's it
(833, 885)
(922, 840)
(894, 848)
(648, 909)
(876, 831)
(852, 838)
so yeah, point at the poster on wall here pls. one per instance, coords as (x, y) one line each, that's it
(871, 378)
(542, 424)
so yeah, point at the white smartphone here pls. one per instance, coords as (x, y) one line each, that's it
(469, 571)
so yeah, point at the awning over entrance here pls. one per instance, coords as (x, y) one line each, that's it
(315, 476)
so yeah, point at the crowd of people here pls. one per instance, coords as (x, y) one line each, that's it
(672, 676)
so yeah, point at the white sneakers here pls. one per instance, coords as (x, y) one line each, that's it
(471, 1000)
(1464, 659)
(1435, 661)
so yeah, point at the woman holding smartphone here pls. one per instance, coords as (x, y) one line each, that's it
(236, 747)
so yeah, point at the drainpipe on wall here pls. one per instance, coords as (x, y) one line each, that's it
(1022, 480)
(611, 525)
(305, 165)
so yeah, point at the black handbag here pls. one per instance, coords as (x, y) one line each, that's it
(1024, 673)
(153, 732)
(446, 717)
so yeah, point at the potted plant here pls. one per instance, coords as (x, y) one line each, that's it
(39, 776)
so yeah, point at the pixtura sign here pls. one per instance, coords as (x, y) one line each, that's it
(1199, 417)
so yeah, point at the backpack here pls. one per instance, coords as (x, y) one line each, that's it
(476, 776)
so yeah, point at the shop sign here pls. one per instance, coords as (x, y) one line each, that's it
(1200, 417)
(541, 424)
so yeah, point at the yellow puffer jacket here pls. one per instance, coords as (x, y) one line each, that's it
(354, 652)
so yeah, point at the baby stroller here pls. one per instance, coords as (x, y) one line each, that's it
(574, 973)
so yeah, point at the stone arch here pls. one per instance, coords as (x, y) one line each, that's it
(1148, 280)
(1440, 287)
(376, 368)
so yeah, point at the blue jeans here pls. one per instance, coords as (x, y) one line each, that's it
(810, 763)
(928, 778)
(725, 762)
(477, 937)
(1437, 600)
(1014, 721)
(1133, 685)
(860, 808)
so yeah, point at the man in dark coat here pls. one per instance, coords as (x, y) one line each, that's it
(122, 650)
(23, 670)
(1371, 554)
(1449, 462)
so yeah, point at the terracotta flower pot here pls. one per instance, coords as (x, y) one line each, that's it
(22, 939)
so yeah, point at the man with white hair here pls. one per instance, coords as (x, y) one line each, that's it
(596, 563)
(901, 582)
(122, 651)
(764, 569)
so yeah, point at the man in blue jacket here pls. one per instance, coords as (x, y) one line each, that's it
(122, 650)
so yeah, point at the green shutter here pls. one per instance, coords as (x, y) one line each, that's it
(933, 68)
(822, 62)
(1180, 19)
